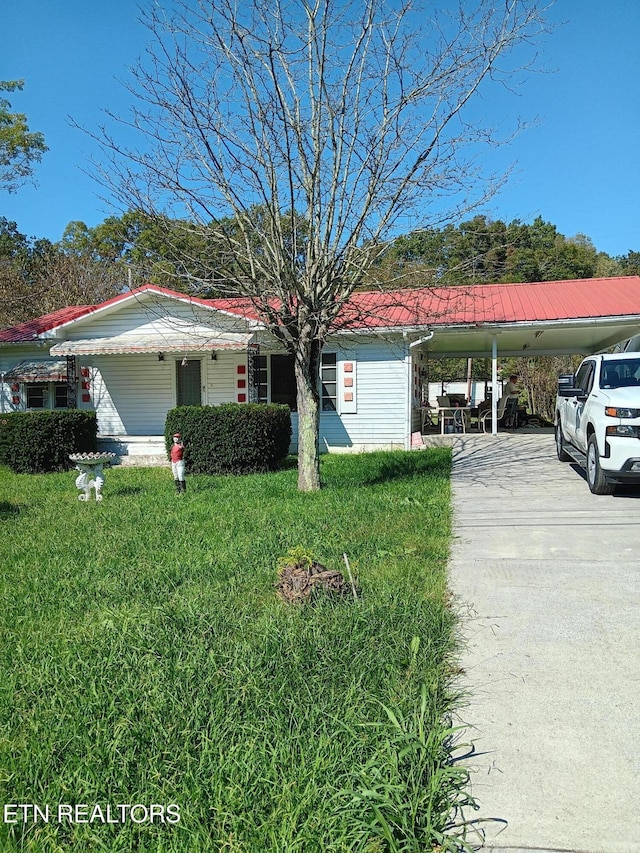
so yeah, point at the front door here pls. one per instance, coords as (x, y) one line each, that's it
(188, 383)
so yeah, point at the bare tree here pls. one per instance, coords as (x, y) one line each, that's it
(299, 135)
(55, 281)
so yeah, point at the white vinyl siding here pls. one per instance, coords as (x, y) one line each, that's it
(152, 316)
(380, 421)
(222, 378)
(132, 393)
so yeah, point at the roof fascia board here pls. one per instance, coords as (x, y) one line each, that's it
(524, 325)
(384, 330)
(494, 328)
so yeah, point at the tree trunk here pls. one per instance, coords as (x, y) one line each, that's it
(307, 372)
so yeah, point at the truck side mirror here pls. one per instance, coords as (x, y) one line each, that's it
(570, 391)
(565, 379)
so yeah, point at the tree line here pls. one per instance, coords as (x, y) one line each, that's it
(91, 264)
(483, 251)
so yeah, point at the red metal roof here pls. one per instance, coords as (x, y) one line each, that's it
(32, 329)
(495, 303)
(241, 306)
(477, 304)
(481, 303)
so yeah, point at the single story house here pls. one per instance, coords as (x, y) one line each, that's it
(136, 356)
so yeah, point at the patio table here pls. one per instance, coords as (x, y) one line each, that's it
(448, 413)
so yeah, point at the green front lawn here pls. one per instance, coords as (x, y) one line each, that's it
(147, 661)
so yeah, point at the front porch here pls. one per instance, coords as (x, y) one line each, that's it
(135, 450)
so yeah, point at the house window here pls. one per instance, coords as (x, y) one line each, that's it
(329, 381)
(260, 378)
(283, 381)
(36, 396)
(61, 396)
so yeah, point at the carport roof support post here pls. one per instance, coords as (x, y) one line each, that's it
(494, 385)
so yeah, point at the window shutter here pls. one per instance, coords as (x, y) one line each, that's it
(348, 385)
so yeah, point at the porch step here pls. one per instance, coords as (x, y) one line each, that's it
(135, 450)
(144, 461)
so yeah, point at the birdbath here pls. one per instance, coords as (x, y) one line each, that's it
(91, 476)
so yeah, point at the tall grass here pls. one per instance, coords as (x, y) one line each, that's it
(146, 659)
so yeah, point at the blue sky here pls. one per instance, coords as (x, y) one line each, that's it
(578, 166)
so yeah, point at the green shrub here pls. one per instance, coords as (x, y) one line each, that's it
(37, 442)
(7, 422)
(234, 438)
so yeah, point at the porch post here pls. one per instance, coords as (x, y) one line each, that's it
(408, 411)
(253, 353)
(494, 385)
(72, 382)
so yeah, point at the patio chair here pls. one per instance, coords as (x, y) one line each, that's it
(428, 417)
(507, 411)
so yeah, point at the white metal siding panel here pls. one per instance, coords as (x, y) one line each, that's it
(382, 402)
(222, 378)
(149, 316)
(380, 421)
(109, 421)
(15, 353)
(132, 394)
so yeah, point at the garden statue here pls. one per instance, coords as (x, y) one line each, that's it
(177, 463)
(91, 475)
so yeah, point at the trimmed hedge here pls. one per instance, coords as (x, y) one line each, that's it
(234, 438)
(38, 442)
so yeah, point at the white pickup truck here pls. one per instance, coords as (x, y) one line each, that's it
(597, 420)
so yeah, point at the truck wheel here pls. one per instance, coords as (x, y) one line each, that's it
(595, 478)
(563, 456)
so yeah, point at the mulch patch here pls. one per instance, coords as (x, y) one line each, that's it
(298, 582)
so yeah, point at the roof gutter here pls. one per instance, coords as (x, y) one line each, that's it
(422, 340)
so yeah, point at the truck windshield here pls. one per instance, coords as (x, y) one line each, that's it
(620, 374)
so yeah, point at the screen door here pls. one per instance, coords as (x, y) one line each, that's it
(188, 383)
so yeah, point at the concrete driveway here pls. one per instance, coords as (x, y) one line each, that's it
(548, 581)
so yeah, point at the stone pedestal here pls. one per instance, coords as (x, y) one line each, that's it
(91, 476)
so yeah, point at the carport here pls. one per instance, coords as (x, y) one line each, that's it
(544, 318)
